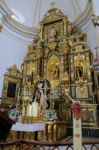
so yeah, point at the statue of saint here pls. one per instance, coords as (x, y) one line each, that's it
(43, 102)
(56, 72)
(53, 32)
(79, 71)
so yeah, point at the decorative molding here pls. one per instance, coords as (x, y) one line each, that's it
(4, 8)
(17, 27)
(83, 19)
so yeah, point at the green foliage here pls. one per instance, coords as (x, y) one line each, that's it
(50, 115)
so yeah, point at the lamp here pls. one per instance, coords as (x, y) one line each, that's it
(95, 20)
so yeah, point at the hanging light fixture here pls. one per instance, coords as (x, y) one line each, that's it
(95, 20)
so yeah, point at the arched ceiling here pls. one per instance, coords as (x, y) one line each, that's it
(31, 12)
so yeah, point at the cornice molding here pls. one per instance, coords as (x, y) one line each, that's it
(19, 28)
(8, 21)
(4, 9)
(85, 17)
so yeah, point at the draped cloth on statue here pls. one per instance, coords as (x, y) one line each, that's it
(33, 109)
(43, 103)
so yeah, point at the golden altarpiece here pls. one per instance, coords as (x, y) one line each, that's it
(58, 61)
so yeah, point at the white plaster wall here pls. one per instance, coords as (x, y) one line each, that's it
(92, 37)
(95, 4)
(12, 52)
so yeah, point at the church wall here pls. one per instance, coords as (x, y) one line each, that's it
(92, 35)
(95, 4)
(12, 52)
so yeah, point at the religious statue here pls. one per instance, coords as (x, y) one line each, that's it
(30, 77)
(79, 71)
(52, 34)
(56, 72)
(43, 102)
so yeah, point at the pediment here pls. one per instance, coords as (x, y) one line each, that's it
(14, 71)
(53, 14)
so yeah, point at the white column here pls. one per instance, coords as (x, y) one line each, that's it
(77, 130)
(95, 7)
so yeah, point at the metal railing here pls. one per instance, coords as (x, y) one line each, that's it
(91, 144)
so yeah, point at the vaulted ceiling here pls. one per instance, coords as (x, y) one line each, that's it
(30, 12)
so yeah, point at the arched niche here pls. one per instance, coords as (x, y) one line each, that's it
(53, 70)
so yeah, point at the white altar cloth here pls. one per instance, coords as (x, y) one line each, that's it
(28, 127)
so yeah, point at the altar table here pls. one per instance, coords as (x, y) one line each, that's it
(33, 127)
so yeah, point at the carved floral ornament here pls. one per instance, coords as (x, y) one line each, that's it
(13, 70)
(53, 14)
(79, 60)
